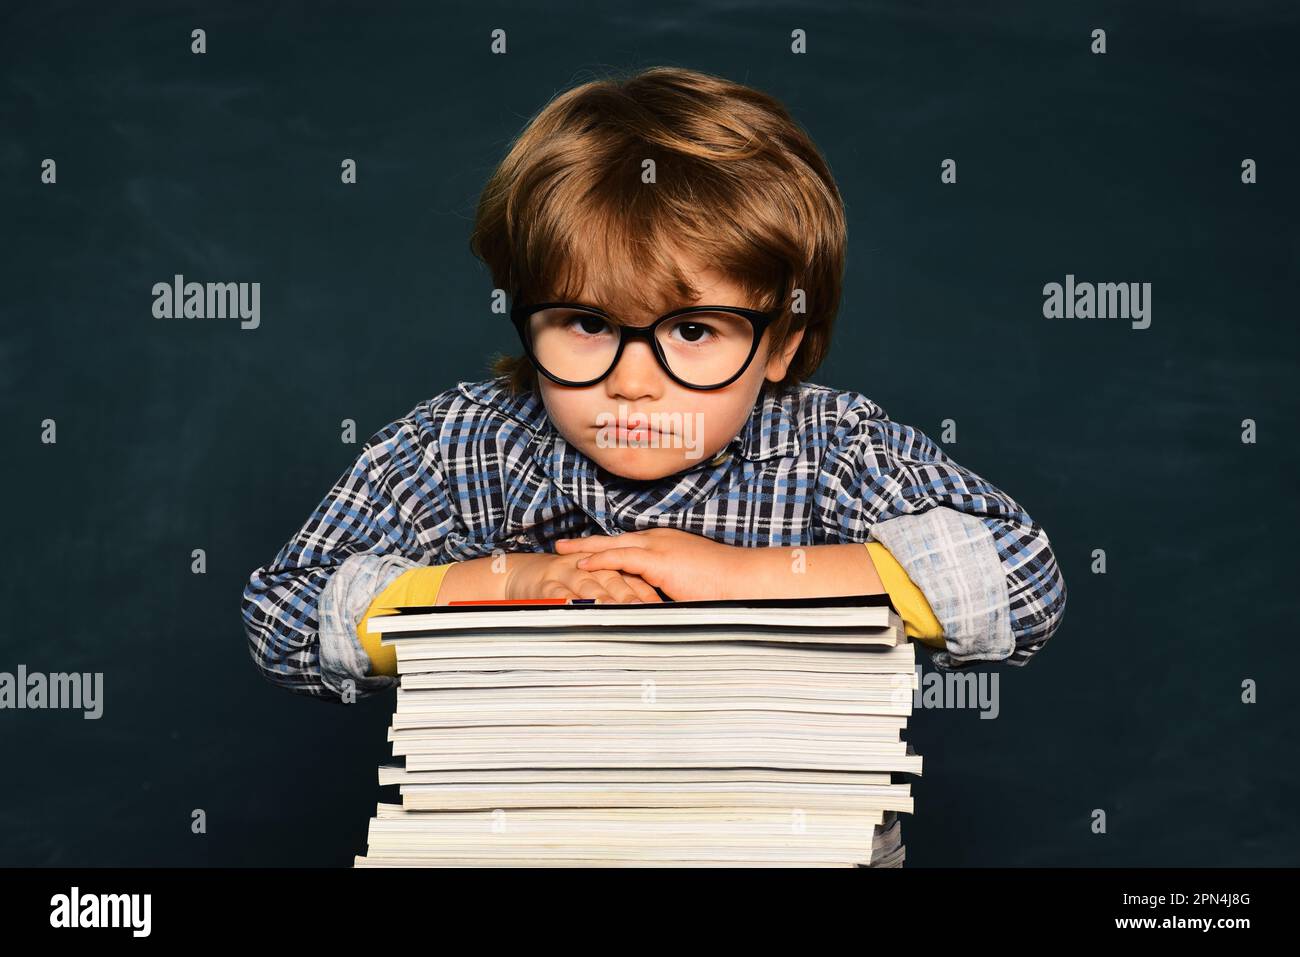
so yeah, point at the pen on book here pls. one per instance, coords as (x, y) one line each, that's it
(527, 601)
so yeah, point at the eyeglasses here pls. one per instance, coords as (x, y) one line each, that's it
(700, 347)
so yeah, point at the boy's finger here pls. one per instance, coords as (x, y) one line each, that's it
(638, 561)
(567, 546)
(556, 590)
(589, 543)
(619, 587)
(642, 588)
(590, 588)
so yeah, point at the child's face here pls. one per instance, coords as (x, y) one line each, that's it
(692, 424)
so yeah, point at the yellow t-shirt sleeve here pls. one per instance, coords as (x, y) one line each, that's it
(415, 586)
(913, 607)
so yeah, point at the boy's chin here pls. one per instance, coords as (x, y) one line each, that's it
(642, 464)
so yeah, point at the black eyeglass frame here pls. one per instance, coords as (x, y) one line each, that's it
(759, 320)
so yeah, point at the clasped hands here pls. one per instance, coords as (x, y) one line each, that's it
(628, 568)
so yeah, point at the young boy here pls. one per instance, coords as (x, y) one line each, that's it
(674, 244)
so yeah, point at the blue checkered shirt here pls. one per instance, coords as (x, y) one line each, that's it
(475, 470)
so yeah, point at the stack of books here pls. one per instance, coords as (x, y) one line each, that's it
(700, 733)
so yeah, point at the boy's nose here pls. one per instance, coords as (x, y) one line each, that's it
(638, 373)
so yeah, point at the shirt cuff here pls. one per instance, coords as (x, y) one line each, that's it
(953, 559)
(416, 586)
(908, 600)
(344, 665)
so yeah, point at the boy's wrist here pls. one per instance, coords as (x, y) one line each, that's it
(479, 579)
(753, 573)
(521, 573)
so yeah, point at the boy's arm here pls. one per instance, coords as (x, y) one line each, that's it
(846, 569)
(423, 585)
(985, 567)
(382, 518)
(415, 586)
(909, 601)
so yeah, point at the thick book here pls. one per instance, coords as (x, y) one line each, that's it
(774, 615)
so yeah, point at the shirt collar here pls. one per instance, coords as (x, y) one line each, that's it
(773, 427)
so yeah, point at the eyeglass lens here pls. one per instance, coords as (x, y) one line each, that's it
(702, 348)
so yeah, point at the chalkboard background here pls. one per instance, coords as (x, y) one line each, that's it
(1123, 167)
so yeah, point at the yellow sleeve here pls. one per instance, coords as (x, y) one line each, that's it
(415, 586)
(913, 607)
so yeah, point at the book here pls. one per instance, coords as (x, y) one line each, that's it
(762, 732)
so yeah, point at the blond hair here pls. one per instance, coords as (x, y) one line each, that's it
(739, 187)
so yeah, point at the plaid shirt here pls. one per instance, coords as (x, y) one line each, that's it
(475, 469)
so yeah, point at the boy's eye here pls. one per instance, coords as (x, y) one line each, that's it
(566, 322)
(694, 333)
(586, 325)
(715, 330)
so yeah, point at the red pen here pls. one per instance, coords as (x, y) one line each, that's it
(528, 601)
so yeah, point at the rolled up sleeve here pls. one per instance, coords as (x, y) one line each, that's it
(348, 594)
(985, 567)
(386, 514)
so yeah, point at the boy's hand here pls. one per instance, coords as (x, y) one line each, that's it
(687, 567)
(540, 575)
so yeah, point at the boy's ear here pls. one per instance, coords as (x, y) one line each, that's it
(777, 364)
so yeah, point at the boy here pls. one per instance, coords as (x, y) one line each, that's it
(674, 244)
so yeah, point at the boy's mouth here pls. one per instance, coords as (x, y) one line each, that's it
(640, 429)
(639, 433)
(635, 436)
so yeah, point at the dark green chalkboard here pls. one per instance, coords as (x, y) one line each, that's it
(197, 434)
